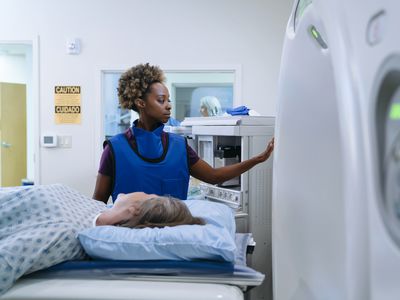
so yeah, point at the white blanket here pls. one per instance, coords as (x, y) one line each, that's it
(38, 228)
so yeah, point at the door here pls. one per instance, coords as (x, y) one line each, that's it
(12, 134)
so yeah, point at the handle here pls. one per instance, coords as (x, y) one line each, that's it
(5, 145)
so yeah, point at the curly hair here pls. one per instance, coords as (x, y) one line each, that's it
(135, 84)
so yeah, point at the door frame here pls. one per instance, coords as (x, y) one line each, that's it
(33, 41)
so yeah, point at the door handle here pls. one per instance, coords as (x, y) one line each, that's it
(5, 145)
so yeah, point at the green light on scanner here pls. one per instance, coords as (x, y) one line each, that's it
(395, 111)
(314, 32)
(317, 36)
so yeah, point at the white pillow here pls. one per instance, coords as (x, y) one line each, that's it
(213, 241)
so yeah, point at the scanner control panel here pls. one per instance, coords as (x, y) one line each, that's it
(231, 197)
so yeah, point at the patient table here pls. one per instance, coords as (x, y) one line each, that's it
(145, 280)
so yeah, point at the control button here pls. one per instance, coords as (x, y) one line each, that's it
(376, 28)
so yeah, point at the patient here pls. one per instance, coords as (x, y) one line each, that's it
(39, 224)
(210, 106)
(139, 210)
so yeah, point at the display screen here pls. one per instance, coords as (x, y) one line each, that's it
(48, 139)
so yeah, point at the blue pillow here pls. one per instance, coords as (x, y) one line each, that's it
(213, 241)
(214, 213)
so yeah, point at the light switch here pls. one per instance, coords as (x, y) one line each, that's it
(65, 141)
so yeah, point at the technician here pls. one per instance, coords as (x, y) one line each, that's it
(147, 159)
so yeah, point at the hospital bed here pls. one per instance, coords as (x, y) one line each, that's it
(145, 280)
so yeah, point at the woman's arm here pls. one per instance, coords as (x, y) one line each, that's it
(115, 215)
(103, 188)
(104, 219)
(124, 210)
(203, 171)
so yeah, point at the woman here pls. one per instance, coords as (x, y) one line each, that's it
(145, 157)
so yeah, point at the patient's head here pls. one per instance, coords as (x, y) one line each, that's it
(210, 106)
(155, 211)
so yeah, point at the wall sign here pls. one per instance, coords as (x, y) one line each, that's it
(67, 104)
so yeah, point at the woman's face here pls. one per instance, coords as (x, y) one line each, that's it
(157, 103)
(204, 111)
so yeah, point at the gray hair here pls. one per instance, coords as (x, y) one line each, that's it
(212, 104)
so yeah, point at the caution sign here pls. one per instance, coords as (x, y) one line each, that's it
(67, 104)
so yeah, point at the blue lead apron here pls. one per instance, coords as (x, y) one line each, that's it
(148, 169)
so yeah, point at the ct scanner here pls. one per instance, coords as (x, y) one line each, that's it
(336, 180)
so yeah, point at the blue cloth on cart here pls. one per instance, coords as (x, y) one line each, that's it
(240, 110)
(172, 122)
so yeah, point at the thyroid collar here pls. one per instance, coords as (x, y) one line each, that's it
(148, 143)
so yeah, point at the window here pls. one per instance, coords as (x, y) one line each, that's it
(186, 89)
(116, 119)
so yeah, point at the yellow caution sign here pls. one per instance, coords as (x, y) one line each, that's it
(67, 102)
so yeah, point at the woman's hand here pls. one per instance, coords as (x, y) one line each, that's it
(203, 171)
(267, 153)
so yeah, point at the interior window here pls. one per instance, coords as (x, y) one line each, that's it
(186, 88)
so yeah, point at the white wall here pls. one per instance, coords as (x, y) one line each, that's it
(117, 33)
